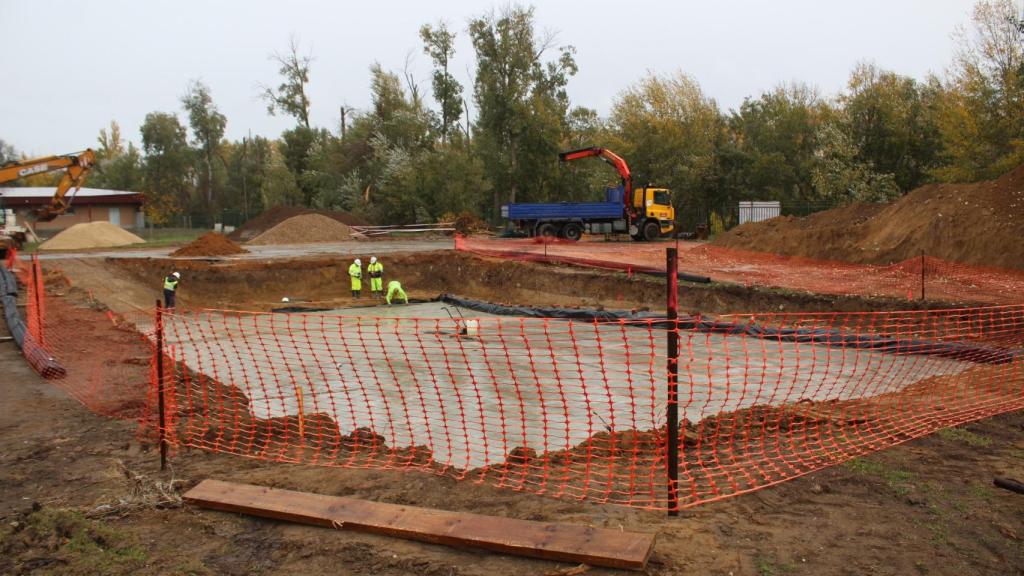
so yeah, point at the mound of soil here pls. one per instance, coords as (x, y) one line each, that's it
(279, 214)
(305, 229)
(91, 235)
(211, 244)
(980, 223)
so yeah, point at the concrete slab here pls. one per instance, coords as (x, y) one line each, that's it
(406, 373)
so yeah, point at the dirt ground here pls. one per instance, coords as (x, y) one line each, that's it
(127, 284)
(978, 223)
(82, 496)
(927, 507)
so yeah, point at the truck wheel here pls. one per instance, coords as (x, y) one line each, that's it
(651, 231)
(547, 230)
(572, 232)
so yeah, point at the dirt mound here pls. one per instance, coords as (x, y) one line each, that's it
(305, 229)
(211, 244)
(980, 223)
(279, 214)
(91, 235)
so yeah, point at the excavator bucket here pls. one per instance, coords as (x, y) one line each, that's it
(43, 214)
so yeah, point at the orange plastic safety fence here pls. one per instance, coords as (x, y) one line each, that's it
(917, 278)
(577, 409)
(573, 409)
(99, 358)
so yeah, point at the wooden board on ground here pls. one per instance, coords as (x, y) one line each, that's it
(564, 542)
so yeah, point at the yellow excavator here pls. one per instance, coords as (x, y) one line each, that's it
(75, 166)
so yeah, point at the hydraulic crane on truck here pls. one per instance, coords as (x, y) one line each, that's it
(75, 166)
(644, 212)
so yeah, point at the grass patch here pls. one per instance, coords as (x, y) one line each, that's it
(965, 436)
(766, 567)
(899, 481)
(81, 545)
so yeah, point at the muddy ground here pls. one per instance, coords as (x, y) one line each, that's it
(80, 495)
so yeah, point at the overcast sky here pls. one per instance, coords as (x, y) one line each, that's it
(72, 67)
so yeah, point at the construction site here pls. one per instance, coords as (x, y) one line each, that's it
(843, 388)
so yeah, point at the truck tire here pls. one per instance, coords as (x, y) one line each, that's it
(651, 231)
(547, 230)
(572, 231)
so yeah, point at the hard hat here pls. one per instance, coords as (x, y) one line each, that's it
(358, 262)
(373, 259)
(176, 275)
(285, 299)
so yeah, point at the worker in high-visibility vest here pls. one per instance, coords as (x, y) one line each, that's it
(376, 272)
(395, 291)
(355, 272)
(170, 288)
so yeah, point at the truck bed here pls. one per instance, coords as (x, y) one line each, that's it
(563, 211)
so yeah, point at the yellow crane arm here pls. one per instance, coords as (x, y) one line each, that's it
(75, 166)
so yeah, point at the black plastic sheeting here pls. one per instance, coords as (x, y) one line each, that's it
(830, 338)
(37, 356)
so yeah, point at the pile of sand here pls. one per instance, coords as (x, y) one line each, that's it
(91, 235)
(211, 244)
(980, 223)
(279, 214)
(305, 229)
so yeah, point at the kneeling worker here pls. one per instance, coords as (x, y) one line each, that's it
(395, 291)
(170, 286)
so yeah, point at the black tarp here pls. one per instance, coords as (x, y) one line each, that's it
(37, 356)
(826, 337)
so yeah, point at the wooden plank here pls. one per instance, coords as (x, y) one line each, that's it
(563, 542)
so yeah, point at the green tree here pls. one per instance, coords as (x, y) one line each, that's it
(290, 96)
(439, 44)
(521, 101)
(980, 110)
(278, 186)
(118, 167)
(841, 176)
(166, 167)
(208, 126)
(887, 119)
(774, 144)
(667, 129)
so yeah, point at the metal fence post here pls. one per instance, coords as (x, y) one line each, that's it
(161, 410)
(672, 406)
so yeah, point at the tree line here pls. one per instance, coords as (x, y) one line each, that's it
(416, 155)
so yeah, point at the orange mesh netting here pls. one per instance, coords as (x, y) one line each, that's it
(940, 280)
(565, 408)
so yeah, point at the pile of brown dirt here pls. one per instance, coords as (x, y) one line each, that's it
(211, 244)
(305, 229)
(980, 223)
(279, 214)
(91, 235)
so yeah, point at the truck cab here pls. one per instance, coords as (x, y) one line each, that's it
(656, 210)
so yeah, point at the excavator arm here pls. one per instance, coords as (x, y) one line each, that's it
(75, 166)
(610, 157)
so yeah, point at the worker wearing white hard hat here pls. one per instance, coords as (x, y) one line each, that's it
(376, 272)
(170, 288)
(355, 273)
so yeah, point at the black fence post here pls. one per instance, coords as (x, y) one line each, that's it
(161, 410)
(672, 406)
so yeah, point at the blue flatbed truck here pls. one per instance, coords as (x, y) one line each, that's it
(645, 213)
